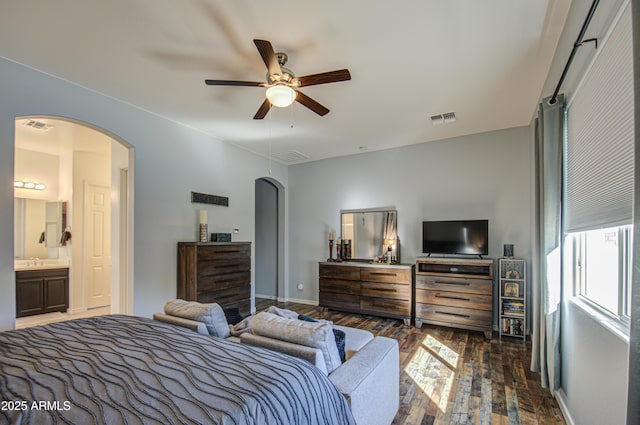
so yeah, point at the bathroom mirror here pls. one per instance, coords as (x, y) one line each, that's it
(372, 232)
(38, 227)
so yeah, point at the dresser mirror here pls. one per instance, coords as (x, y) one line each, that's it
(371, 232)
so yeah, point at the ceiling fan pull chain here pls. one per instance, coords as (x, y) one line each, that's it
(270, 138)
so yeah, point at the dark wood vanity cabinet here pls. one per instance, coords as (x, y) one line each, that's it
(42, 291)
(379, 290)
(216, 272)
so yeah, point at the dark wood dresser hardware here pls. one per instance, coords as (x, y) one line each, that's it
(378, 290)
(217, 272)
(455, 292)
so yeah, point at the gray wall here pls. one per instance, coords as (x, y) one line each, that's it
(171, 160)
(481, 176)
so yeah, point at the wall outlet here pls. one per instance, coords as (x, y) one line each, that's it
(300, 286)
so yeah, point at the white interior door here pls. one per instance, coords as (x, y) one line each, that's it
(97, 251)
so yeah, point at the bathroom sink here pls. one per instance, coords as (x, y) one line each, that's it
(21, 265)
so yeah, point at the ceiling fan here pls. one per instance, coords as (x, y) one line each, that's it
(282, 85)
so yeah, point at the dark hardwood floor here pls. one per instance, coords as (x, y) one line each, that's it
(452, 376)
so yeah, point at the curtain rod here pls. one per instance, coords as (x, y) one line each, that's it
(579, 42)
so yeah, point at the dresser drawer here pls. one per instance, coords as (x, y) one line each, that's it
(453, 315)
(223, 265)
(386, 274)
(339, 301)
(455, 284)
(340, 286)
(225, 297)
(340, 272)
(228, 251)
(455, 299)
(390, 307)
(386, 290)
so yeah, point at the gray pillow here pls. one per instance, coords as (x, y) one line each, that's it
(311, 334)
(211, 315)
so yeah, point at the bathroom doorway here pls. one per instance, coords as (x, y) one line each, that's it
(80, 165)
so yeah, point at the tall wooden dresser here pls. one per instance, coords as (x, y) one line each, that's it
(217, 272)
(455, 292)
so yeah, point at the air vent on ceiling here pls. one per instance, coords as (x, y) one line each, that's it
(290, 156)
(37, 125)
(443, 118)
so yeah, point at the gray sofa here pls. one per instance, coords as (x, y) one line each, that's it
(369, 378)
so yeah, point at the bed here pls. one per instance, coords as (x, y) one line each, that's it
(122, 369)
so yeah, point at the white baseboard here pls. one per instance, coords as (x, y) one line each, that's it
(267, 297)
(300, 301)
(561, 398)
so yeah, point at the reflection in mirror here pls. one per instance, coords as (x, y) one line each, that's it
(38, 227)
(373, 233)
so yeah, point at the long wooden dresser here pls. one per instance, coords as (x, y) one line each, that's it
(376, 289)
(217, 272)
(455, 292)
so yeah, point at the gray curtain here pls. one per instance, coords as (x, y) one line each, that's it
(547, 270)
(633, 397)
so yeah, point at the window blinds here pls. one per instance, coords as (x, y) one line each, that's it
(599, 144)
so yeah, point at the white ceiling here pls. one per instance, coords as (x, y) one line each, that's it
(484, 60)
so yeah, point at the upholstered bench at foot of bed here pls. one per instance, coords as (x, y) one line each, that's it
(369, 378)
(370, 381)
(194, 325)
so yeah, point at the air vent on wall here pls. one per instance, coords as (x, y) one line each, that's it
(443, 118)
(290, 156)
(38, 125)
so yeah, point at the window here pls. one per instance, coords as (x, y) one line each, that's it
(603, 272)
(599, 175)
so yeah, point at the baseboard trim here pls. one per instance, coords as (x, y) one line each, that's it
(299, 301)
(267, 297)
(561, 398)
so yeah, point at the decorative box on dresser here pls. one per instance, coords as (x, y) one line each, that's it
(455, 292)
(377, 289)
(217, 272)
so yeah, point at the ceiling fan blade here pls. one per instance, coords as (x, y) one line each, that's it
(233, 83)
(268, 56)
(263, 110)
(324, 78)
(311, 104)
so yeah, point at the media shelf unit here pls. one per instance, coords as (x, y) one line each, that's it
(455, 292)
(513, 300)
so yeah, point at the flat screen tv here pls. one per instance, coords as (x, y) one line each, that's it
(470, 237)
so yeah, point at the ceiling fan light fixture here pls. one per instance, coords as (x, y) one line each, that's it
(281, 95)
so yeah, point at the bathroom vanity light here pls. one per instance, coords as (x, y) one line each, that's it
(29, 185)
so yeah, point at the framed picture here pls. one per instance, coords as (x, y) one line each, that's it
(511, 289)
(512, 274)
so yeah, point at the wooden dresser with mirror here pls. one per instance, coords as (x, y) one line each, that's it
(361, 284)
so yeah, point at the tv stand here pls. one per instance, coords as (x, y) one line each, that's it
(455, 292)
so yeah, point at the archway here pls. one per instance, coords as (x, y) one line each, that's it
(269, 239)
(82, 151)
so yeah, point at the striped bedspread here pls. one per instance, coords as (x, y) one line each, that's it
(122, 369)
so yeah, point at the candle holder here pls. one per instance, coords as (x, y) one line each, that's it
(330, 250)
(339, 250)
(204, 232)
